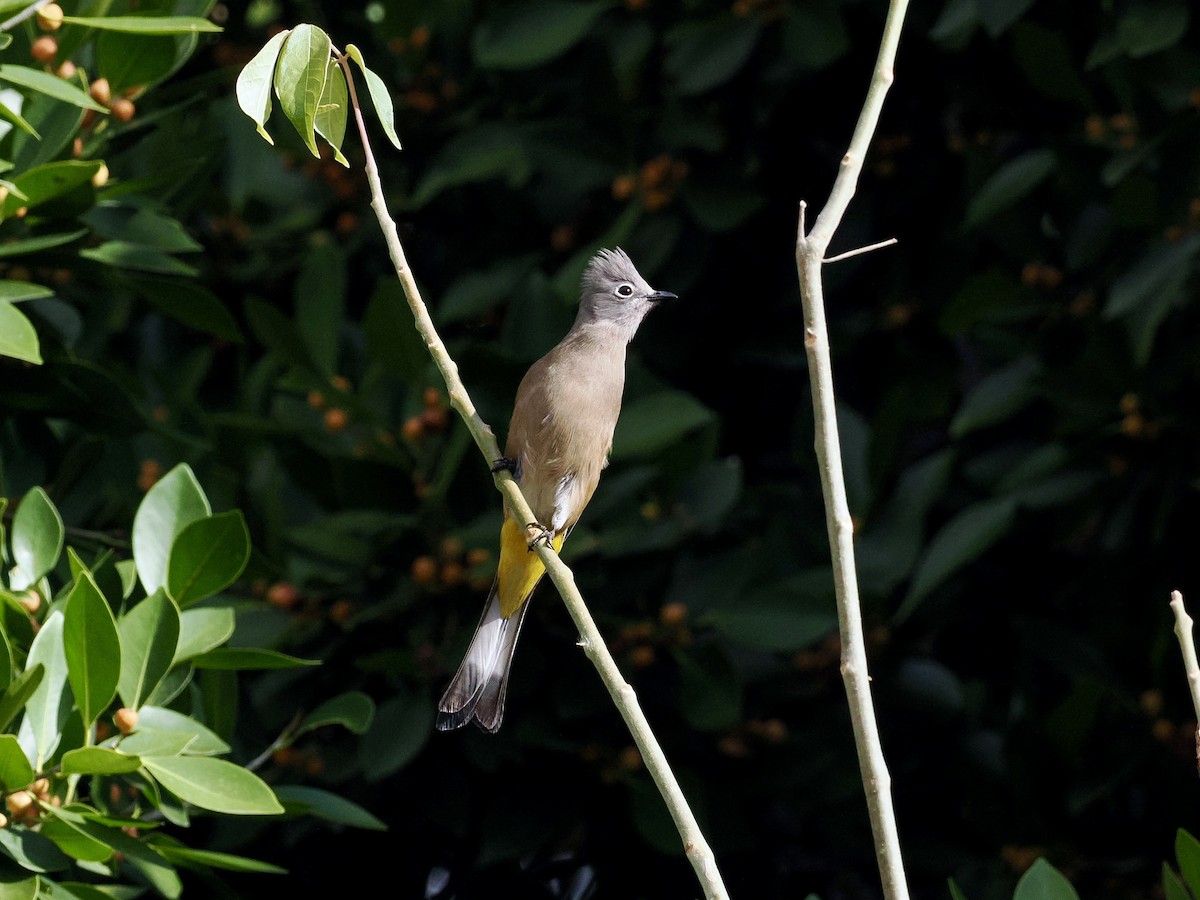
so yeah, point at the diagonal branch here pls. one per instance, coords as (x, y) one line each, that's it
(694, 844)
(810, 255)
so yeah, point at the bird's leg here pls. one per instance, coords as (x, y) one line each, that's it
(541, 534)
(505, 464)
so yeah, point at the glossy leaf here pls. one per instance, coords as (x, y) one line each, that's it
(15, 771)
(997, 396)
(37, 539)
(18, 692)
(1010, 183)
(92, 647)
(353, 710)
(706, 54)
(50, 85)
(175, 501)
(202, 859)
(200, 739)
(320, 295)
(653, 422)
(207, 556)
(191, 304)
(300, 79)
(140, 257)
(1173, 886)
(18, 338)
(330, 120)
(48, 182)
(381, 98)
(1187, 855)
(145, 24)
(256, 81)
(401, 727)
(33, 851)
(249, 658)
(1042, 881)
(960, 541)
(77, 844)
(25, 246)
(149, 636)
(201, 630)
(1163, 265)
(533, 32)
(98, 761)
(49, 704)
(301, 799)
(214, 784)
(1146, 28)
(783, 615)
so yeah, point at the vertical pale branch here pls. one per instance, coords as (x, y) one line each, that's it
(694, 844)
(810, 255)
(1183, 631)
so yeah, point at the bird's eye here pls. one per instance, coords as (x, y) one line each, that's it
(624, 290)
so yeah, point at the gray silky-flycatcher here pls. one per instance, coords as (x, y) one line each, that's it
(559, 439)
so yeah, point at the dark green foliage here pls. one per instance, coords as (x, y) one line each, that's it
(1017, 383)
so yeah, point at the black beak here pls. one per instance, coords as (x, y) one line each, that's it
(661, 295)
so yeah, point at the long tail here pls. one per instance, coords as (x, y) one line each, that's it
(478, 689)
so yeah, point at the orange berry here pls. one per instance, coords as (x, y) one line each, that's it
(1151, 702)
(733, 745)
(341, 383)
(413, 429)
(431, 397)
(424, 569)
(453, 574)
(40, 788)
(773, 731)
(1163, 730)
(102, 731)
(1095, 127)
(629, 759)
(50, 17)
(3, 821)
(477, 556)
(125, 719)
(283, 594)
(435, 418)
(673, 614)
(31, 600)
(623, 187)
(641, 656)
(1174, 233)
(336, 419)
(1031, 274)
(654, 200)
(66, 69)
(1129, 403)
(419, 37)
(313, 764)
(44, 49)
(340, 611)
(19, 803)
(317, 400)
(101, 91)
(1122, 122)
(451, 547)
(651, 510)
(149, 472)
(101, 177)
(123, 110)
(1194, 97)
(562, 238)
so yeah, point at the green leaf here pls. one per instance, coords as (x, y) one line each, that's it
(302, 800)
(330, 121)
(207, 556)
(320, 295)
(955, 891)
(996, 397)
(33, 851)
(15, 770)
(249, 658)
(175, 501)
(56, 122)
(50, 85)
(998, 15)
(353, 710)
(1014, 180)
(98, 761)
(1173, 887)
(37, 539)
(190, 303)
(16, 119)
(49, 705)
(138, 60)
(153, 867)
(482, 153)
(255, 81)
(390, 333)
(200, 739)
(92, 647)
(150, 744)
(656, 421)
(1042, 881)
(212, 859)
(214, 784)
(710, 692)
(149, 637)
(533, 32)
(1166, 263)
(1146, 28)
(25, 246)
(783, 615)
(1187, 855)
(16, 291)
(401, 727)
(18, 692)
(48, 182)
(145, 24)
(77, 844)
(702, 55)
(300, 79)
(381, 97)
(18, 338)
(139, 257)
(201, 630)
(960, 541)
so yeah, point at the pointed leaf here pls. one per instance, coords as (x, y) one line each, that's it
(18, 338)
(18, 693)
(98, 761)
(528, 34)
(200, 740)
(330, 121)
(145, 24)
(201, 630)
(175, 501)
(1009, 184)
(50, 85)
(37, 539)
(205, 859)
(16, 119)
(353, 710)
(214, 784)
(149, 637)
(255, 81)
(15, 770)
(207, 556)
(1163, 265)
(92, 647)
(33, 851)
(1187, 855)
(1173, 885)
(77, 844)
(249, 658)
(300, 79)
(380, 96)
(49, 705)
(996, 397)
(49, 181)
(316, 802)
(1042, 881)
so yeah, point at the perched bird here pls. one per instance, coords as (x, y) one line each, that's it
(558, 442)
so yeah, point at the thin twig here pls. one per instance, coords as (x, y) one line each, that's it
(24, 14)
(810, 255)
(694, 844)
(859, 251)
(1183, 631)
